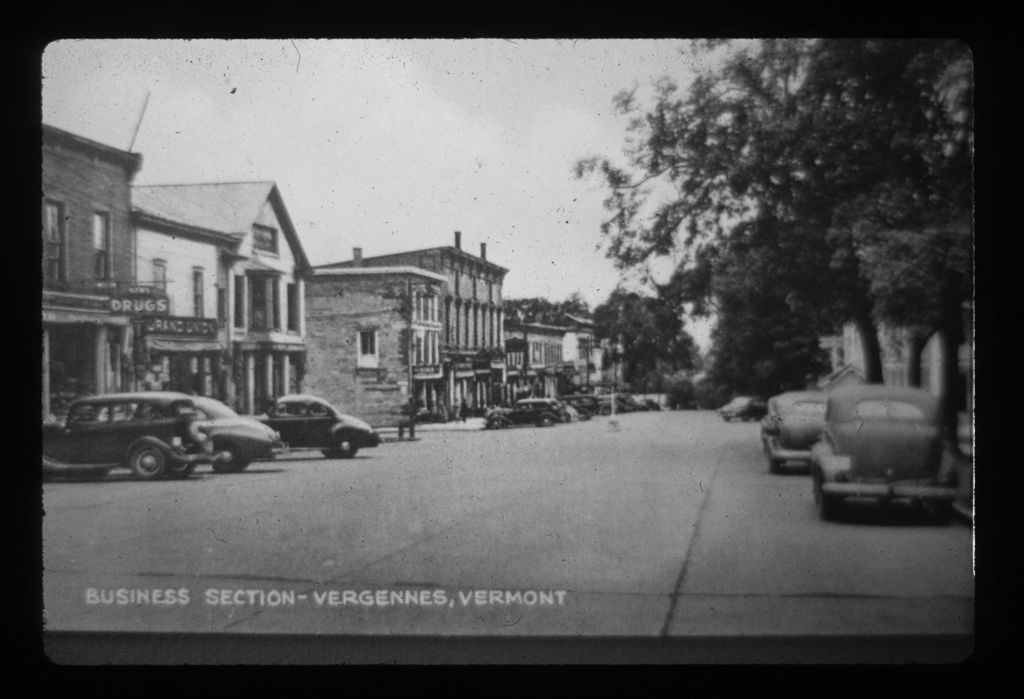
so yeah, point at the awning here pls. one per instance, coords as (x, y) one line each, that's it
(184, 344)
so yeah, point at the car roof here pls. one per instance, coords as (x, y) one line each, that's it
(301, 398)
(842, 400)
(150, 396)
(790, 397)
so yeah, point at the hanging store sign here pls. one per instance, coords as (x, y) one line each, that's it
(137, 304)
(178, 326)
(427, 371)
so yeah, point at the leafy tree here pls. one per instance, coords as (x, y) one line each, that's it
(542, 310)
(806, 153)
(651, 332)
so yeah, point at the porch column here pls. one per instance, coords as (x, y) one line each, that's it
(268, 375)
(286, 360)
(46, 372)
(250, 383)
(100, 350)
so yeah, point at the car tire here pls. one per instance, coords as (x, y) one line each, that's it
(343, 449)
(233, 465)
(496, 424)
(179, 471)
(605, 411)
(584, 415)
(545, 421)
(147, 462)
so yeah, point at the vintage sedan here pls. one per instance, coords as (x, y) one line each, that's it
(542, 412)
(154, 434)
(743, 408)
(791, 427)
(883, 443)
(624, 403)
(243, 439)
(309, 422)
(586, 404)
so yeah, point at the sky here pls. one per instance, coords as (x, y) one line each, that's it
(387, 145)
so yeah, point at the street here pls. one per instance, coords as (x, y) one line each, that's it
(644, 525)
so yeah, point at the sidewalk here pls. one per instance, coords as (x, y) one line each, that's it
(473, 424)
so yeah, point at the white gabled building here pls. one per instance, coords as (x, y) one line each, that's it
(232, 265)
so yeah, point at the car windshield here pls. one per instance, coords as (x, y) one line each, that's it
(213, 409)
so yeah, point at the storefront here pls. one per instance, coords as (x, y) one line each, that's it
(86, 350)
(428, 383)
(264, 371)
(183, 354)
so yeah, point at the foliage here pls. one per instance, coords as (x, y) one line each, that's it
(542, 310)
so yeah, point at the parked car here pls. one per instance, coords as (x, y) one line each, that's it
(154, 434)
(542, 412)
(652, 404)
(883, 443)
(743, 408)
(624, 403)
(244, 439)
(585, 404)
(309, 422)
(792, 425)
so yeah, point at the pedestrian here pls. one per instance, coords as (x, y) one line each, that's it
(463, 410)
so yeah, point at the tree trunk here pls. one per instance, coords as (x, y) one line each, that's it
(953, 397)
(915, 349)
(870, 346)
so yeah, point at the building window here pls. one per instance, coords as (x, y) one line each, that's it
(239, 301)
(264, 238)
(160, 276)
(197, 292)
(275, 301)
(257, 303)
(53, 242)
(222, 304)
(293, 307)
(367, 349)
(101, 244)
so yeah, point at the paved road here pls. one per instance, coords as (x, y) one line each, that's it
(667, 525)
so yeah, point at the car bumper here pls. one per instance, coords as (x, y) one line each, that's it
(890, 491)
(778, 452)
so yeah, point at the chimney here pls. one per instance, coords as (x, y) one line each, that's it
(458, 240)
(357, 257)
(483, 251)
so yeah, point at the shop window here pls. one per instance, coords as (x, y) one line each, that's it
(264, 238)
(367, 349)
(293, 307)
(53, 243)
(258, 303)
(101, 244)
(197, 292)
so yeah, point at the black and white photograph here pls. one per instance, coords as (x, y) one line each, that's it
(532, 341)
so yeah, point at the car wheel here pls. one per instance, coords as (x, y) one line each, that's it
(495, 423)
(344, 449)
(545, 421)
(147, 462)
(180, 471)
(605, 411)
(828, 505)
(584, 415)
(234, 464)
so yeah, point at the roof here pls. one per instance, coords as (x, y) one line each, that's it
(155, 396)
(130, 161)
(369, 271)
(451, 249)
(223, 207)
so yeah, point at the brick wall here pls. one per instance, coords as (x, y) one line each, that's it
(336, 311)
(84, 183)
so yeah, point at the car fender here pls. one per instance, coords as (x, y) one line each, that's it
(831, 466)
(172, 455)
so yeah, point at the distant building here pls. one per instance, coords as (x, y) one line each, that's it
(471, 314)
(87, 268)
(364, 348)
(584, 352)
(535, 363)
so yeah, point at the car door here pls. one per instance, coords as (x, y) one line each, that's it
(318, 423)
(288, 419)
(129, 421)
(87, 435)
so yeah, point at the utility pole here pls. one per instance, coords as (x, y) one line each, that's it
(410, 345)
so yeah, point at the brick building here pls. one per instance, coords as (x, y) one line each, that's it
(87, 268)
(471, 316)
(371, 332)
